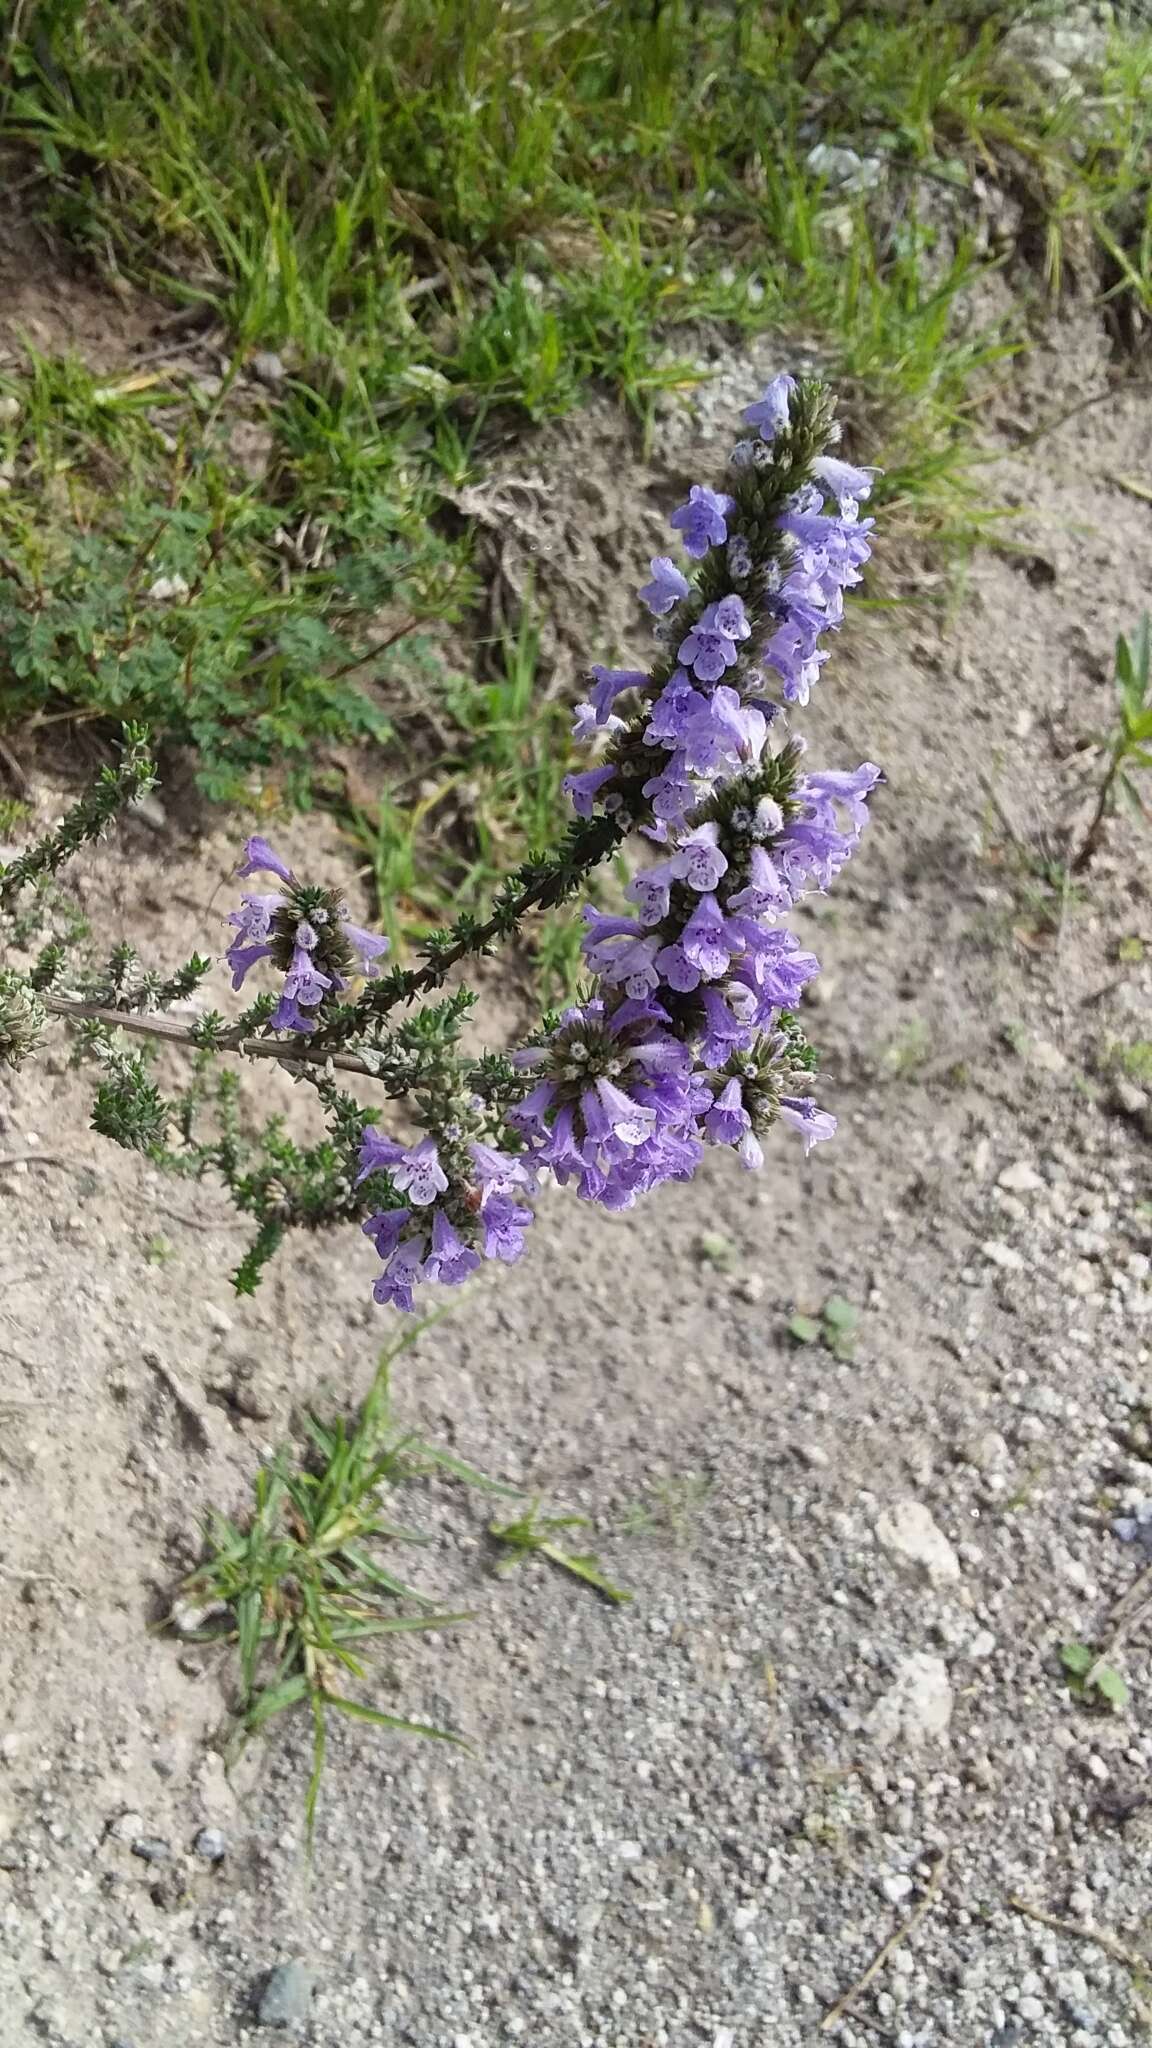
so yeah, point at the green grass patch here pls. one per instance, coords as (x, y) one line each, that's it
(450, 220)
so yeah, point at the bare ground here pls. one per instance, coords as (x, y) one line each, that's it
(696, 1819)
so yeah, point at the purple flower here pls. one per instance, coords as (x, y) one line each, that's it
(584, 789)
(672, 793)
(667, 587)
(771, 412)
(699, 861)
(241, 958)
(725, 735)
(260, 859)
(369, 947)
(386, 1229)
(504, 1223)
(843, 480)
(450, 1260)
(608, 684)
(727, 1120)
(378, 1153)
(586, 724)
(723, 1034)
(805, 1115)
(419, 1174)
(764, 894)
(702, 520)
(707, 649)
(730, 617)
(400, 1275)
(678, 703)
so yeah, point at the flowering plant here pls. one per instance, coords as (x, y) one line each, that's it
(686, 1035)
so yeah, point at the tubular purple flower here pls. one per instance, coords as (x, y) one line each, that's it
(419, 1174)
(610, 683)
(583, 789)
(843, 480)
(450, 1260)
(260, 859)
(667, 587)
(702, 520)
(771, 412)
(728, 1120)
(806, 1116)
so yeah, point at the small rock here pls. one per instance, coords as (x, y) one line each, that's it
(917, 1709)
(1020, 1178)
(982, 1646)
(128, 1828)
(286, 1999)
(1043, 1053)
(211, 1844)
(1003, 1255)
(9, 411)
(151, 1849)
(219, 1318)
(907, 1531)
(1031, 2009)
(268, 367)
(630, 1852)
(896, 1887)
(750, 1287)
(10, 1856)
(987, 1452)
(813, 1455)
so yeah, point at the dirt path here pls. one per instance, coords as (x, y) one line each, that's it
(696, 1819)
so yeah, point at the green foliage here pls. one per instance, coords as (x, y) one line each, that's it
(532, 1535)
(488, 205)
(165, 587)
(1092, 1680)
(113, 789)
(302, 1578)
(835, 1327)
(1128, 745)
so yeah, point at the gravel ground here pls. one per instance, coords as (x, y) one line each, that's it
(836, 1704)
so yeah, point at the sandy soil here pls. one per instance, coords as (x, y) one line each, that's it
(838, 1692)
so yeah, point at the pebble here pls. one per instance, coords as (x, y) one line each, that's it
(151, 1849)
(1003, 1255)
(268, 367)
(907, 1531)
(896, 1887)
(917, 1708)
(211, 1844)
(286, 1999)
(128, 1828)
(1020, 1178)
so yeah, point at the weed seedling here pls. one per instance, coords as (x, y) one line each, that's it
(302, 1577)
(835, 1327)
(1128, 745)
(1096, 1683)
(532, 1535)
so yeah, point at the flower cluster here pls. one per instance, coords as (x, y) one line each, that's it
(442, 1223)
(687, 1037)
(306, 933)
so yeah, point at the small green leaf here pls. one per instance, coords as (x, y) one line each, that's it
(357, 1712)
(717, 1250)
(839, 1314)
(1111, 1687)
(1077, 1658)
(805, 1329)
